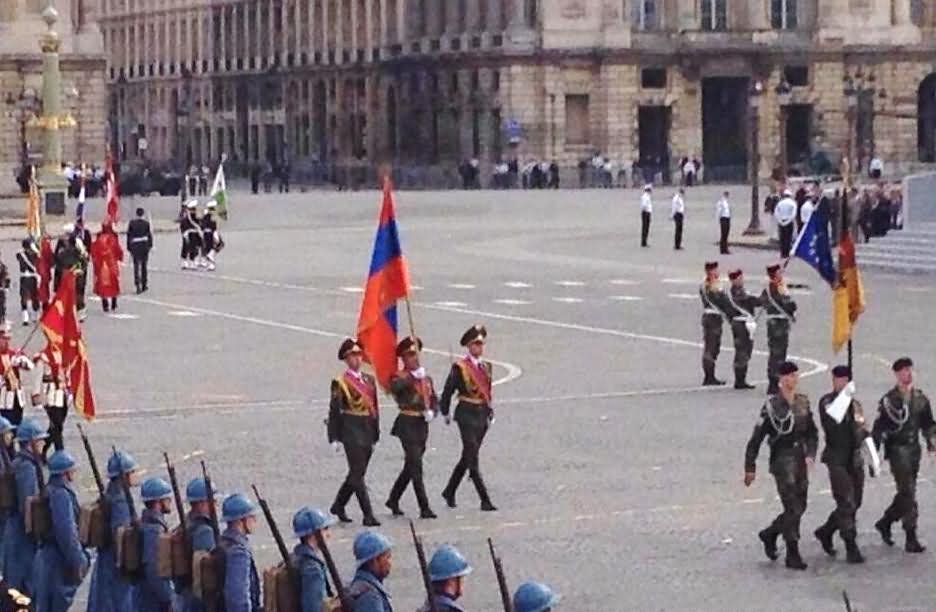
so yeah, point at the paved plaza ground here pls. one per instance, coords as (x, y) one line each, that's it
(618, 478)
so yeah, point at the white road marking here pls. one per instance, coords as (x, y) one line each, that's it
(682, 296)
(623, 282)
(183, 313)
(461, 286)
(455, 304)
(625, 298)
(353, 289)
(569, 283)
(416, 287)
(124, 316)
(679, 281)
(568, 300)
(517, 285)
(512, 302)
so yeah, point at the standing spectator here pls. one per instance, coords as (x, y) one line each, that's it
(785, 214)
(583, 174)
(255, 178)
(284, 173)
(140, 243)
(646, 210)
(106, 256)
(800, 198)
(554, 175)
(678, 215)
(806, 210)
(723, 210)
(876, 167)
(607, 173)
(203, 181)
(896, 208)
(688, 171)
(192, 180)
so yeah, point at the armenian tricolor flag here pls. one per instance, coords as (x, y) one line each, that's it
(387, 283)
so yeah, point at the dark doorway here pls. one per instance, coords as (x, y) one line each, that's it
(864, 128)
(926, 125)
(725, 129)
(653, 126)
(798, 133)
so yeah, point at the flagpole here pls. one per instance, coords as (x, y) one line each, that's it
(841, 235)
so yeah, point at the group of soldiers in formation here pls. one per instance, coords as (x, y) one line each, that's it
(201, 240)
(787, 423)
(47, 534)
(741, 310)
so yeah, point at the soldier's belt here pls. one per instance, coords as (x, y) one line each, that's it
(476, 401)
(778, 316)
(711, 311)
(363, 413)
(414, 412)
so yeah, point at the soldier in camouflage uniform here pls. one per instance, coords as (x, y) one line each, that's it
(904, 414)
(714, 306)
(743, 307)
(787, 423)
(842, 456)
(781, 314)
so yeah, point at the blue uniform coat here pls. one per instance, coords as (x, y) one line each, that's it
(368, 593)
(19, 550)
(61, 562)
(111, 592)
(201, 535)
(154, 594)
(313, 581)
(241, 583)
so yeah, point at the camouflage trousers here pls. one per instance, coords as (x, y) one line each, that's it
(778, 341)
(711, 341)
(743, 344)
(847, 482)
(905, 466)
(792, 486)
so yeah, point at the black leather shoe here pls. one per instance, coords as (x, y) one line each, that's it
(770, 544)
(370, 521)
(884, 528)
(394, 508)
(487, 506)
(340, 514)
(449, 499)
(427, 514)
(825, 540)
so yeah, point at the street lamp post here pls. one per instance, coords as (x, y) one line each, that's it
(783, 91)
(754, 228)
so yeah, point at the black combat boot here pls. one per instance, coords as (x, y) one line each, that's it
(393, 502)
(824, 535)
(884, 528)
(486, 505)
(793, 559)
(772, 385)
(740, 380)
(709, 380)
(364, 500)
(449, 493)
(425, 512)
(912, 544)
(769, 538)
(338, 507)
(852, 552)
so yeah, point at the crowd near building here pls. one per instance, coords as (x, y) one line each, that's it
(429, 85)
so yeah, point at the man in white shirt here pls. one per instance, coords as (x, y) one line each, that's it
(806, 210)
(646, 210)
(688, 171)
(785, 214)
(723, 210)
(678, 215)
(876, 167)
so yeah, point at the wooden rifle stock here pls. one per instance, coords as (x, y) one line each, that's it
(501, 579)
(333, 571)
(92, 461)
(180, 508)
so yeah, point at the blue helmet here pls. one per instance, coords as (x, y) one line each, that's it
(30, 430)
(369, 545)
(60, 462)
(154, 489)
(120, 463)
(5, 426)
(447, 563)
(534, 597)
(309, 520)
(197, 491)
(236, 506)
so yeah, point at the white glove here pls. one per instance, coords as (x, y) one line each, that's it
(336, 446)
(429, 416)
(419, 373)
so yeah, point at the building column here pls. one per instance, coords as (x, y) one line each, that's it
(902, 13)
(758, 17)
(473, 16)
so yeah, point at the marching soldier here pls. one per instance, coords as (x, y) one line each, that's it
(211, 239)
(415, 395)
(313, 577)
(140, 243)
(447, 571)
(110, 590)
(83, 240)
(842, 456)
(61, 563)
(534, 597)
(743, 324)
(241, 582)
(471, 377)
(190, 226)
(154, 594)
(374, 559)
(781, 314)
(354, 422)
(200, 535)
(4, 288)
(19, 548)
(903, 415)
(28, 260)
(66, 255)
(787, 423)
(714, 305)
(7, 451)
(51, 392)
(12, 395)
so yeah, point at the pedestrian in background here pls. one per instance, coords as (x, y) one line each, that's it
(678, 215)
(646, 210)
(723, 211)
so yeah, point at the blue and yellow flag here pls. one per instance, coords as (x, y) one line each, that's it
(815, 247)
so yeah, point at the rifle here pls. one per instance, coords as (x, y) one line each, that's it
(175, 490)
(212, 511)
(501, 579)
(131, 507)
(277, 536)
(423, 567)
(848, 606)
(94, 466)
(333, 571)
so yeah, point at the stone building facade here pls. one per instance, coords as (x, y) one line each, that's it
(84, 84)
(427, 83)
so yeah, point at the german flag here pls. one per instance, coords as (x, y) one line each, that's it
(848, 302)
